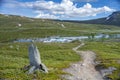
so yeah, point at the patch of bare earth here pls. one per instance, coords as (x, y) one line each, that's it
(85, 69)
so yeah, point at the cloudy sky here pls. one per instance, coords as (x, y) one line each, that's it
(60, 9)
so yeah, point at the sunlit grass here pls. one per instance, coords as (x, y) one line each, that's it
(56, 56)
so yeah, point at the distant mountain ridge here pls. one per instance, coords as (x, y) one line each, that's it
(113, 19)
(115, 16)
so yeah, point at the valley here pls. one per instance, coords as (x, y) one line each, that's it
(56, 55)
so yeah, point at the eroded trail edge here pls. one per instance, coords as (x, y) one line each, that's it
(85, 69)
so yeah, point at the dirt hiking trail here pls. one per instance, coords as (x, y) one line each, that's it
(85, 69)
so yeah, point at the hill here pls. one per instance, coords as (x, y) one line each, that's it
(56, 56)
(15, 27)
(113, 19)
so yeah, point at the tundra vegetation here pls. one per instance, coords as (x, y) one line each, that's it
(56, 56)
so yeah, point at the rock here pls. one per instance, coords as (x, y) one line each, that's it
(35, 60)
(107, 71)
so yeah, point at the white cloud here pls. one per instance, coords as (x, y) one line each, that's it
(84, 0)
(65, 9)
(46, 15)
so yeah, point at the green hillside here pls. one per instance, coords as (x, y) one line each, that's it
(14, 27)
(56, 56)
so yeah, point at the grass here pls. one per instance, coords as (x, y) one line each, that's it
(34, 28)
(14, 56)
(56, 56)
(108, 53)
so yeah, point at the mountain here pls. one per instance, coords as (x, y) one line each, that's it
(113, 19)
(20, 27)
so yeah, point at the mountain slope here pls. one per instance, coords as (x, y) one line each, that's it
(16, 27)
(113, 19)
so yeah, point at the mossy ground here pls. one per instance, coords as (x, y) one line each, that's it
(56, 56)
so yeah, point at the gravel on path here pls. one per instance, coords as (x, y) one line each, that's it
(85, 69)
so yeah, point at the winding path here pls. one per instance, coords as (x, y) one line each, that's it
(85, 69)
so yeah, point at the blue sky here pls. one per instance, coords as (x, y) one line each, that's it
(60, 9)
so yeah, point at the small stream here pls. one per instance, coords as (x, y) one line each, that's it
(70, 39)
